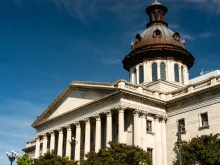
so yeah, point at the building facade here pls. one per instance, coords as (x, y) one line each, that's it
(145, 112)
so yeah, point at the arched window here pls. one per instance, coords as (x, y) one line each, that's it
(182, 74)
(153, 16)
(159, 15)
(154, 72)
(135, 76)
(163, 71)
(141, 74)
(176, 73)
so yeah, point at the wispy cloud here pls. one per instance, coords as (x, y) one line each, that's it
(188, 37)
(207, 35)
(174, 26)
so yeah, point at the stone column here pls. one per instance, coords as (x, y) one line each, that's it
(77, 142)
(98, 134)
(164, 140)
(44, 144)
(143, 131)
(87, 136)
(60, 143)
(52, 141)
(121, 138)
(68, 141)
(136, 128)
(180, 74)
(109, 128)
(37, 148)
(158, 151)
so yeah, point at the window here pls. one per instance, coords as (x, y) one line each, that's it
(141, 74)
(153, 16)
(149, 126)
(182, 74)
(150, 152)
(159, 15)
(154, 72)
(181, 126)
(204, 120)
(176, 73)
(163, 71)
(135, 76)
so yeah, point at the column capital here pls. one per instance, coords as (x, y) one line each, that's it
(157, 117)
(136, 112)
(121, 107)
(87, 120)
(51, 132)
(60, 130)
(44, 136)
(37, 138)
(97, 117)
(68, 127)
(77, 124)
(108, 113)
(163, 119)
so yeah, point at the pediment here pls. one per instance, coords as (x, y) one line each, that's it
(77, 98)
(74, 96)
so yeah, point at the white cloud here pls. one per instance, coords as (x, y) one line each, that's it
(188, 37)
(207, 34)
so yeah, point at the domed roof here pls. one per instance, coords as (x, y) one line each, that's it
(158, 34)
(157, 41)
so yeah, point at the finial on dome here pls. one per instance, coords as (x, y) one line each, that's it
(156, 3)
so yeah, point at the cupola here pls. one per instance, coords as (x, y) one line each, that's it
(158, 53)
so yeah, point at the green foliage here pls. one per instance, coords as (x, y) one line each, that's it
(52, 159)
(24, 160)
(203, 150)
(118, 154)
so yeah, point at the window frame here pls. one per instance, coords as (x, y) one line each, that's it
(141, 73)
(176, 73)
(163, 71)
(156, 71)
(201, 121)
(152, 153)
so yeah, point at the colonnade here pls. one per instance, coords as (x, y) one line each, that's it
(81, 140)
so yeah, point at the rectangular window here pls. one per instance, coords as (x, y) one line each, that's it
(149, 126)
(181, 125)
(204, 120)
(150, 152)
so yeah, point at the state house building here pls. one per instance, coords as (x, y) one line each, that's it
(144, 112)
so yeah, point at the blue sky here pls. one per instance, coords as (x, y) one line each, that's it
(46, 44)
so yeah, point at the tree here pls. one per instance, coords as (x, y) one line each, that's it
(52, 159)
(24, 160)
(203, 150)
(120, 154)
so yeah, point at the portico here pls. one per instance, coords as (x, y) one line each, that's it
(81, 135)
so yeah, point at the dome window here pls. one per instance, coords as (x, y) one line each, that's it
(157, 33)
(154, 72)
(141, 74)
(138, 38)
(176, 36)
(176, 73)
(163, 71)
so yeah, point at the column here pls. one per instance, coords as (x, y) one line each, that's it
(164, 140)
(180, 77)
(37, 148)
(68, 141)
(98, 134)
(60, 143)
(158, 151)
(121, 138)
(44, 144)
(136, 128)
(158, 70)
(143, 131)
(52, 141)
(77, 142)
(109, 128)
(87, 136)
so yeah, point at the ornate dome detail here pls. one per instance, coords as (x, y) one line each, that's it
(176, 36)
(157, 33)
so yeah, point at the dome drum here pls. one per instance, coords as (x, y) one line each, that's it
(158, 51)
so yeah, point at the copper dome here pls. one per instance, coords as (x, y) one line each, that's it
(157, 41)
